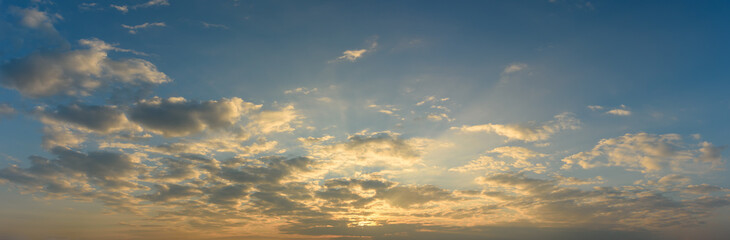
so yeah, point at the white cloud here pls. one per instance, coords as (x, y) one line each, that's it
(151, 3)
(432, 99)
(386, 109)
(508, 158)
(595, 107)
(275, 121)
(121, 8)
(438, 117)
(517, 153)
(649, 153)
(515, 67)
(352, 55)
(35, 19)
(135, 28)
(301, 90)
(619, 112)
(372, 149)
(529, 132)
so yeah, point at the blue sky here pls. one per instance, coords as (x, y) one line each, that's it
(364, 119)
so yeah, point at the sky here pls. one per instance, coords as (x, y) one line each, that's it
(226, 119)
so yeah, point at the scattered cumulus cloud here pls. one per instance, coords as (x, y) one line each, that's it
(76, 72)
(528, 132)
(619, 112)
(431, 99)
(649, 153)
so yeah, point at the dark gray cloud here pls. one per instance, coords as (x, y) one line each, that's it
(174, 117)
(96, 175)
(274, 171)
(75, 72)
(169, 192)
(103, 119)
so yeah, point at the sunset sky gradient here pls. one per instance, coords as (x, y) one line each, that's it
(544, 119)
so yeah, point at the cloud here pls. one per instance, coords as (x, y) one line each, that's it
(515, 67)
(101, 119)
(121, 8)
(482, 163)
(431, 99)
(518, 153)
(404, 197)
(135, 28)
(67, 173)
(35, 19)
(508, 158)
(529, 132)
(386, 109)
(619, 112)
(648, 153)
(6, 110)
(371, 149)
(211, 25)
(151, 3)
(275, 121)
(543, 200)
(301, 90)
(169, 192)
(313, 140)
(438, 117)
(76, 72)
(176, 116)
(353, 55)
(595, 107)
(59, 136)
(274, 171)
(89, 6)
